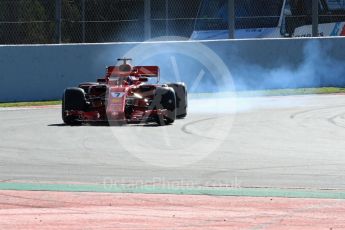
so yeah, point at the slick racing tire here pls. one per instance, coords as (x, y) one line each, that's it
(181, 99)
(165, 99)
(73, 99)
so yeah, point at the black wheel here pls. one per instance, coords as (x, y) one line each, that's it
(165, 99)
(181, 99)
(73, 99)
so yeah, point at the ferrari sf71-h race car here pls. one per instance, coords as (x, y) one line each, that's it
(125, 96)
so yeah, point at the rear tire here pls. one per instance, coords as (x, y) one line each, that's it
(181, 99)
(165, 99)
(73, 99)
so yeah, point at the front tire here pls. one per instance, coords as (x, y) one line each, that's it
(73, 99)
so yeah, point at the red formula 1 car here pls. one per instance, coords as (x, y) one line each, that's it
(124, 96)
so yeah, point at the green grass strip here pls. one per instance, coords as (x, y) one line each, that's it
(116, 188)
(27, 104)
(286, 92)
(273, 92)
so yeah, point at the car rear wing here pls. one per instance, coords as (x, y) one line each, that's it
(146, 71)
(137, 71)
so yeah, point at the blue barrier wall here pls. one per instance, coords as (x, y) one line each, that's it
(42, 72)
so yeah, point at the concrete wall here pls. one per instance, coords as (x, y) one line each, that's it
(42, 72)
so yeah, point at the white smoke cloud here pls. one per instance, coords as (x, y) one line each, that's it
(317, 69)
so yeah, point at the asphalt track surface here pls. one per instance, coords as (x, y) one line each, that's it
(270, 142)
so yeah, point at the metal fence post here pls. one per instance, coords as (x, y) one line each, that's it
(315, 18)
(231, 18)
(83, 19)
(147, 19)
(166, 17)
(58, 7)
